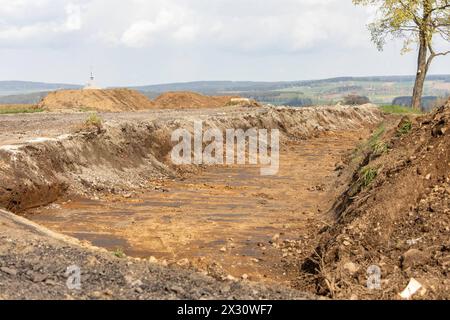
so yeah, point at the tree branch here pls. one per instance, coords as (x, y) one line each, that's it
(441, 7)
(433, 54)
(442, 53)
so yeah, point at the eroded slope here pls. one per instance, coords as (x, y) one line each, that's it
(394, 216)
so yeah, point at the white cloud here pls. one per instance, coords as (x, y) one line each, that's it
(243, 25)
(26, 23)
(193, 39)
(170, 22)
(139, 33)
(73, 17)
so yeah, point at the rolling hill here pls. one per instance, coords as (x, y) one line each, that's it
(25, 87)
(379, 89)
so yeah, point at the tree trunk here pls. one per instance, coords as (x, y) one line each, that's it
(422, 69)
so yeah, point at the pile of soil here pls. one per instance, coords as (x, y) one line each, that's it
(120, 100)
(395, 216)
(190, 100)
(111, 100)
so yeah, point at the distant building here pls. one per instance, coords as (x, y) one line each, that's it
(91, 83)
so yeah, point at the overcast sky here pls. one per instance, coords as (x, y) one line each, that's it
(159, 41)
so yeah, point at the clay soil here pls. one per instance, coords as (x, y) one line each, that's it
(343, 202)
(399, 222)
(228, 221)
(125, 100)
(112, 100)
(190, 100)
(208, 233)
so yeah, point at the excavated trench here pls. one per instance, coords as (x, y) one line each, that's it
(117, 188)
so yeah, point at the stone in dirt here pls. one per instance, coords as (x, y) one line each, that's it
(38, 277)
(351, 268)
(183, 262)
(413, 258)
(10, 271)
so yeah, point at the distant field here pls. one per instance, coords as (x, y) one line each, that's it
(399, 110)
(19, 108)
(380, 90)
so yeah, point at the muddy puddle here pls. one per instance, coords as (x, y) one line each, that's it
(227, 218)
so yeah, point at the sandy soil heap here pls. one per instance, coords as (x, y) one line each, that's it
(119, 100)
(190, 100)
(112, 100)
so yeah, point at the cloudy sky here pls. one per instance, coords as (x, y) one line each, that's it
(159, 41)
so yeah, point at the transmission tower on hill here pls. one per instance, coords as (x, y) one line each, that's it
(91, 83)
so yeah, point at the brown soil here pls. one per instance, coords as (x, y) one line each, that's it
(121, 171)
(113, 100)
(34, 260)
(400, 222)
(225, 221)
(129, 150)
(120, 100)
(318, 226)
(190, 100)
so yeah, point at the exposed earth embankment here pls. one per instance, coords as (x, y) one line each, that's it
(49, 157)
(124, 154)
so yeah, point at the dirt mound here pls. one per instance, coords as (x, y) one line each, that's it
(394, 217)
(112, 100)
(190, 100)
(118, 100)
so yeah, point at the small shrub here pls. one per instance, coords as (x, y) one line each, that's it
(379, 148)
(119, 253)
(94, 121)
(355, 100)
(367, 175)
(404, 127)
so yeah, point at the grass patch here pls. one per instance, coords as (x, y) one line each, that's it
(17, 109)
(373, 145)
(399, 110)
(119, 253)
(367, 175)
(94, 120)
(376, 136)
(405, 127)
(379, 148)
